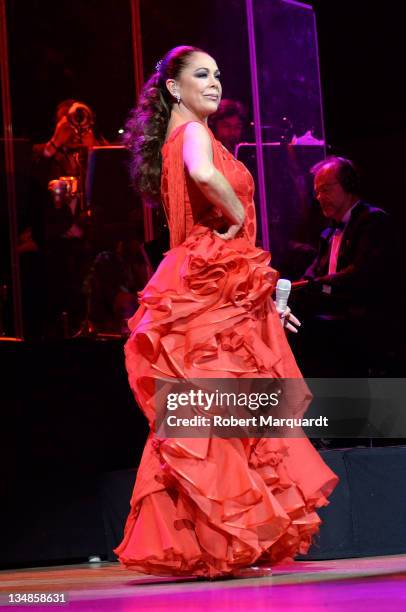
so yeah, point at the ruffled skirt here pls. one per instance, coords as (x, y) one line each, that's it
(208, 506)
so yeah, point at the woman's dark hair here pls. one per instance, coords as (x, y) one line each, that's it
(146, 128)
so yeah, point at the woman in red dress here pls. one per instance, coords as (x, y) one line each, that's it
(209, 507)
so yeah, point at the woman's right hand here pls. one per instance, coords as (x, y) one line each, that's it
(288, 319)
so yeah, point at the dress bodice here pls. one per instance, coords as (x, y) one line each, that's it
(184, 203)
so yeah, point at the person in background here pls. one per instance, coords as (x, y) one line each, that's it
(53, 246)
(228, 123)
(65, 155)
(342, 309)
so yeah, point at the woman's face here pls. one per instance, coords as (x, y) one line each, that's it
(198, 85)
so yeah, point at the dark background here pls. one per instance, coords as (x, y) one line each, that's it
(67, 49)
(362, 51)
(84, 50)
(62, 50)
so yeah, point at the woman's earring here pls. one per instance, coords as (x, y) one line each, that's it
(177, 97)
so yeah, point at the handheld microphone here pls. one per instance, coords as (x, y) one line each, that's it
(283, 288)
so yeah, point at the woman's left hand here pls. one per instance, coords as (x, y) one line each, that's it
(288, 320)
(230, 233)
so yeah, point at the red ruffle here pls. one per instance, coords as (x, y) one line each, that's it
(206, 506)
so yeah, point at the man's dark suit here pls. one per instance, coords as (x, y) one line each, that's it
(364, 263)
(342, 330)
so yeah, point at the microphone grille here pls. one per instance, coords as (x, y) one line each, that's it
(284, 284)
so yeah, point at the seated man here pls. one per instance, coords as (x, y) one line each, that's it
(342, 308)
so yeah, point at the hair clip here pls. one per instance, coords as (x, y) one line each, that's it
(158, 65)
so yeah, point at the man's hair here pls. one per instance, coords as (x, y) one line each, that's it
(227, 108)
(63, 107)
(347, 174)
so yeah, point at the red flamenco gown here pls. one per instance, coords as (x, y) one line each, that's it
(208, 506)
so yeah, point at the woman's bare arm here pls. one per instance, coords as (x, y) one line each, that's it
(198, 159)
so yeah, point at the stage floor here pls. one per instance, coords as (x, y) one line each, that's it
(375, 583)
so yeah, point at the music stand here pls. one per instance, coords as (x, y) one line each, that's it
(293, 217)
